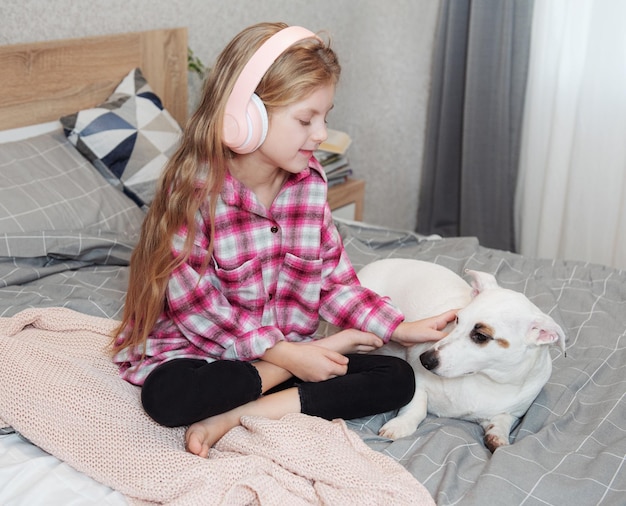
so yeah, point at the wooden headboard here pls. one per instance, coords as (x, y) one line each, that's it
(43, 81)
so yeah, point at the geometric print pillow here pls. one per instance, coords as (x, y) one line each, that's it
(129, 138)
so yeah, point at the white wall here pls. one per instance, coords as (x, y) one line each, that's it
(384, 49)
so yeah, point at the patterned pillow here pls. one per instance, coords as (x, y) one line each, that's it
(45, 184)
(128, 138)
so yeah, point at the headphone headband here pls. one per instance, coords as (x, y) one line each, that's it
(235, 133)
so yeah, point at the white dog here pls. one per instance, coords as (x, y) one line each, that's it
(491, 365)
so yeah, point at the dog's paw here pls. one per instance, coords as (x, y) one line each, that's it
(497, 430)
(494, 441)
(397, 428)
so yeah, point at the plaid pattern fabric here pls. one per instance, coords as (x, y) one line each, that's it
(128, 138)
(272, 274)
(47, 185)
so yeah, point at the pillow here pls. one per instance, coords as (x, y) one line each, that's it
(128, 138)
(45, 184)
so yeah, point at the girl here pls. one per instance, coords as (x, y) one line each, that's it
(238, 258)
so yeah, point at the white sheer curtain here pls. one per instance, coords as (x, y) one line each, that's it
(571, 193)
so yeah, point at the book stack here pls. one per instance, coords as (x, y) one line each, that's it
(332, 155)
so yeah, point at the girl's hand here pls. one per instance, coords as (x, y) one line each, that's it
(351, 341)
(307, 361)
(421, 331)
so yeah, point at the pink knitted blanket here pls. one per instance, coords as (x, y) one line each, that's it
(60, 389)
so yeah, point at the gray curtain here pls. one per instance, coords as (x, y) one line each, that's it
(473, 134)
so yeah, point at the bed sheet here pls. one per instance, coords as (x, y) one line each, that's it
(569, 448)
(86, 272)
(28, 475)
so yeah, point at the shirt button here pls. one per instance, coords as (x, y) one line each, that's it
(274, 229)
(270, 296)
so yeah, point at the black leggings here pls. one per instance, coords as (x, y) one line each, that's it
(184, 391)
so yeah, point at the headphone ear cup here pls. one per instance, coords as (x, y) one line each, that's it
(245, 122)
(256, 125)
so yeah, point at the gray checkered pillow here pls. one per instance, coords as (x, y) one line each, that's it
(128, 138)
(45, 184)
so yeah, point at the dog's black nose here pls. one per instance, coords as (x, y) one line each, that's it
(430, 359)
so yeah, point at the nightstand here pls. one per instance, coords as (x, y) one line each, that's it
(346, 199)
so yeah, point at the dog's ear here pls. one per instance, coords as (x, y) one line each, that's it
(544, 330)
(481, 281)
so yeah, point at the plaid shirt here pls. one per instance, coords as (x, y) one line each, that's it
(273, 273)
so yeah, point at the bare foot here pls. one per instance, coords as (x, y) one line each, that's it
(202, 435)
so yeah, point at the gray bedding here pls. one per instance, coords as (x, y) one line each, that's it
(80, 271)
(569, 448)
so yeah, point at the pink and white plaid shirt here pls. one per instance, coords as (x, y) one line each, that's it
(273, 273)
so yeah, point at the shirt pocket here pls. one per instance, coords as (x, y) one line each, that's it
(243, 286)
(297, 295)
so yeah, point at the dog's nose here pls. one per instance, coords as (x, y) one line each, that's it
(430, 359)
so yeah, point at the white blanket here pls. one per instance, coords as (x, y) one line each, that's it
(60, 389)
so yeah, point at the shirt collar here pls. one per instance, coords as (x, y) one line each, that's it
(234, 193)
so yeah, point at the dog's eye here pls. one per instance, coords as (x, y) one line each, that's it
(479, 337)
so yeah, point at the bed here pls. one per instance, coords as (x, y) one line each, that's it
(71, 432)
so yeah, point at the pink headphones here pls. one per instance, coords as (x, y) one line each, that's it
(245, 117)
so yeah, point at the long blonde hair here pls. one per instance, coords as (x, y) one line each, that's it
(203, 157)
